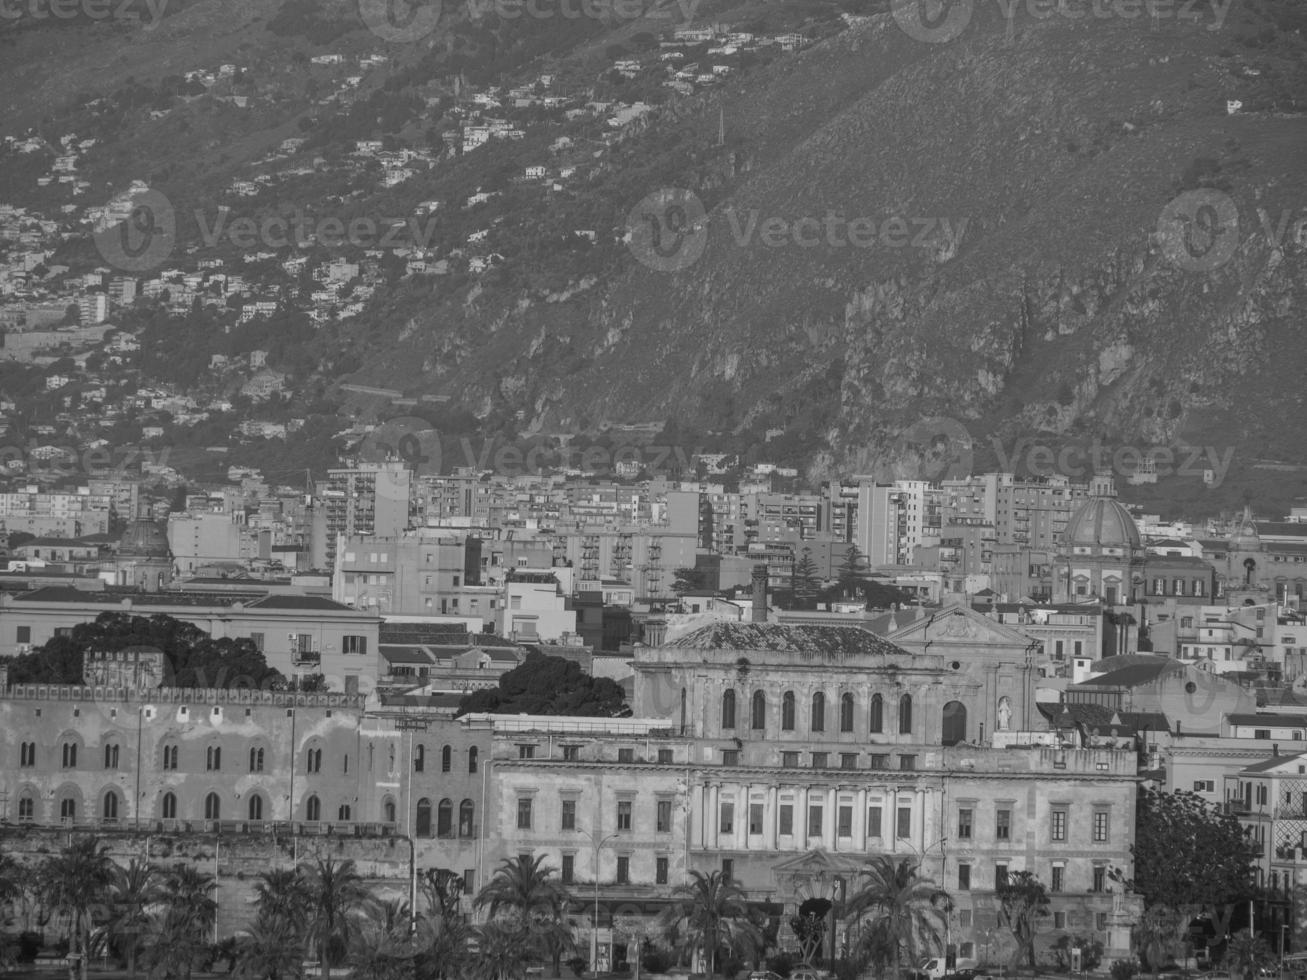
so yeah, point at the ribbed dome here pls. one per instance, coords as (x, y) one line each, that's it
(144, 539)
(1245, 537)
(1102, 522)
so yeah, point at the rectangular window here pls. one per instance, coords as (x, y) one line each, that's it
(660, 871)
(1100, 921)
(905, 823)
(873, 821)
(964, 823)
(1003, 824)
(354, 644)
(879, 760)
(790, 760)
(624, 815)
(626, 755)
(848, 760)
(665, 757)
(964, 877)
(1058, 883)
(1000, 875)
(815, 819)
(663, 817)
(907, 762)
(728, 869)
(728, 818)
(569, 869)
(844, 823)
(571, 753)
(524, 813)
(1100, 878)
(623, 869)
(1101, 824)
(569, 814)
(755, 818)
(786, 819)
(819, 760)
(1057, 830)
(1059, 920)
(526, 751)
(730, 757)
(23, 634)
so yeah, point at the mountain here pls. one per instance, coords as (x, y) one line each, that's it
(1073, 235)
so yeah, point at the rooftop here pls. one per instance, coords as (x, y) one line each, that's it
(804, 640)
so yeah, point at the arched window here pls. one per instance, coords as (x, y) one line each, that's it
(256, 807)
(27, 755)
(905, 715)
(388, 811)
(846, 712)
(818, 712)
(787, 712)
(419, 757)
(954, 723)
(465, 814)
(213, 758)
(111, 755)
(472, 759)
(446, 759)
(67, 809)
(256, 760)
(26, 809)
(445, 819)
(758, 711)
(168, 806)
(423, 828)
(70, 755)
(313, 760)
(109, 808)
(313, 809)
(212, 807)
(170, 753)
(728, 709)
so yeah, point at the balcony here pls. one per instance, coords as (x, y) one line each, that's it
(306, 658)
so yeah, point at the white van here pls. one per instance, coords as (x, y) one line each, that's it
(934, 968)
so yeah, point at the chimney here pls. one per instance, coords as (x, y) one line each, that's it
(759, 594)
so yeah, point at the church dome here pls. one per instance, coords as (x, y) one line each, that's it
(144, 538)
(1102, 522)
(1245, 537)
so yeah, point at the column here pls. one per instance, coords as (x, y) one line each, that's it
(769, 820)
(714, 815)
(698, 815)
(831, 808)
(860, 804)
(742, 816)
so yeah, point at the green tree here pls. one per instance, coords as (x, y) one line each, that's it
(337, 895)
(183, 929)
(803, 579)
(504, 947)
(688, 580)
(542, 685)
(76, 882)
(524, 887)
(903, 911)
(134, 890)
(853, 569)
(1189, 859)
(1022, 899)
(709, 914)
(271, 948)
(1246, 954)
(809, 926)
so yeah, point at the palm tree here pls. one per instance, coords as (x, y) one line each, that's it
(904, 910)
(525, 887)
(76, 881)
(182, 929)
(336, 894)
(1246, 954)
(712, 912)
(504, 946)
(135, 888)
(381, 949)
(440, 946)
(270, 949)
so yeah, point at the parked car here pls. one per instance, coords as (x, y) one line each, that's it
(808, 973)
(764, 975)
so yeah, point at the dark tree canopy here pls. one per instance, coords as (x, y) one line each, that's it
(542, 685)
(193, 657)
(1188, 854)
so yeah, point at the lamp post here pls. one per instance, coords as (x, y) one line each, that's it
(594, 922)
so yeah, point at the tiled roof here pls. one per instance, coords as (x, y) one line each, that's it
(803, 640)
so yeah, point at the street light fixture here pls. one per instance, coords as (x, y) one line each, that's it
(594, 922)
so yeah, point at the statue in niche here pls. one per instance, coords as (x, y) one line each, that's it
(1004, 713)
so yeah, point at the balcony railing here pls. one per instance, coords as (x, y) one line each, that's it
(253, 828)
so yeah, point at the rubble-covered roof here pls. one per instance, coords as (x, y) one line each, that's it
(805, 640)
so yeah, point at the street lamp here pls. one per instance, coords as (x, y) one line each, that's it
(594, 922)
